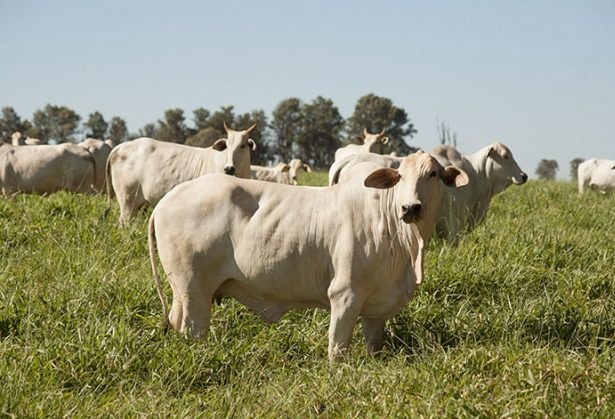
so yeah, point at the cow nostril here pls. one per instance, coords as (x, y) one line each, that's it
(411, 209)
(229, 170)
(524, 177)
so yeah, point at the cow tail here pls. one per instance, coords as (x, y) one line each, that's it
(109, 185)
(151, 240)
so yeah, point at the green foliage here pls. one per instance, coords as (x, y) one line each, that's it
(201, 117)
(376, 112)
(118, 131)
(286, 126)
(547, 169)
(11, 122)
(58, 123)
(517, 320)
(173, 127)
(574, 167)
(96, 126)
(319, 136)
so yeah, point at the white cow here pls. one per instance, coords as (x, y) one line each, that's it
(603, 178)
(355, 248)
(100, 150)
(18, 139)
(490, 170)
(44, 169)
(587, 168)
(285, 173)
(142, 171)
(368, 142)
(339, 168)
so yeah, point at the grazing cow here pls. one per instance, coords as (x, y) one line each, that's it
(282, 173)
(44, 169)
(587, 168)
(340, 167)
(100, 150)
(142, 171)
(603, 177)
(355, 248)
(368, 142)
(490, 170)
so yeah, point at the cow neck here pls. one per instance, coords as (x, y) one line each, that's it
(482, 188)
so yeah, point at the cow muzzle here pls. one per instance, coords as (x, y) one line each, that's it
(229, 170)
(411, 213)
(521, 181)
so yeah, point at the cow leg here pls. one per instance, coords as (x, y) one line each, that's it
(373, 332)
(345, 309)
(129, 205)
(196, 308)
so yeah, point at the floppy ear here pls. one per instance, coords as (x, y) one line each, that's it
(306, 167)
(382, 179)
(453, 177)
(219, 144)
(252, 143)
(384, 140)
(285, 168)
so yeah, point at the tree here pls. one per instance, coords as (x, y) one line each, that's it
(546, 169)
(574, 167)
(319, 136)
(201, 118)
(54, 122)
(262, 154)
(376, 112)
(11, 122)
(96, 126)
(286, 126)
(444, 134)
(118, 131)
(173, 127)
(148, 130)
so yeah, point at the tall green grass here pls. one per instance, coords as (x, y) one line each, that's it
(516, 320)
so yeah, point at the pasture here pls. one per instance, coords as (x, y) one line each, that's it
(518, 319)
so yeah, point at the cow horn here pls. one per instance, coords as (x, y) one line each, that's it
(365, 133)
(226, 128)
(250, 129)
(382, 132)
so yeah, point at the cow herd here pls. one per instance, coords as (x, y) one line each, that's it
(225, 229)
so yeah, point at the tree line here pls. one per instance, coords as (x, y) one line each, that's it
(311, 131)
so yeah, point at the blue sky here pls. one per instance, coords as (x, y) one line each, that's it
(537, 75)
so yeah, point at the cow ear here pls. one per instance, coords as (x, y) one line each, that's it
(285, 168)
(382, 179)
(307, 167)
(252, 143)
(384, 140)
(454, 177)
(219, 144)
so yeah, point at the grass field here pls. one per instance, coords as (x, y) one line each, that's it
(517, 320)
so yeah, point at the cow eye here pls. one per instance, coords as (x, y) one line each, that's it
(243, 146)
(433, 174)
(506, 157)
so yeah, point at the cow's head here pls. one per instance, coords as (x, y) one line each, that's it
(501, 167)
(370, 139)
(417, 185)
(237, 146)
(295, 167)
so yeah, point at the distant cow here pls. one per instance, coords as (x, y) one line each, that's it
(100, 150)
(603, 178)
(17, 138)
(355, 248)
(587, 168)
(142, 171)
(44, 169)
(369, 140)
(340, 167)
(285, 173)
(490, 170)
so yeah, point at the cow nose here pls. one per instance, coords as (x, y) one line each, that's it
(229, 170)
(413, 210)
(524, 177)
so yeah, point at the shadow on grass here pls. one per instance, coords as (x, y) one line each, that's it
(9, 327)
